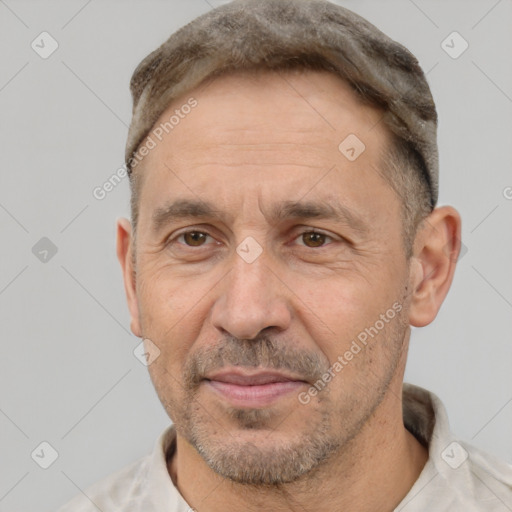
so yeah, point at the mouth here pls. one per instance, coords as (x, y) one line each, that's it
(254, 389)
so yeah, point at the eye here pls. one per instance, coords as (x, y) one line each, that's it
(191, 238)
(313, 239)
(195, 238)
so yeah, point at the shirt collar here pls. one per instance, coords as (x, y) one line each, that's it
(162, 494)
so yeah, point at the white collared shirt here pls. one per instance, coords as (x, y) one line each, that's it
(457, 477)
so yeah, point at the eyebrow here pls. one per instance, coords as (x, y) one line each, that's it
(191, 208)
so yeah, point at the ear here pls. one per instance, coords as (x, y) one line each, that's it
(124, 255)
(435, 253)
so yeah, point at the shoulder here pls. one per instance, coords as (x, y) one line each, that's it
(118, 489)
(458, 475)
(489, 479)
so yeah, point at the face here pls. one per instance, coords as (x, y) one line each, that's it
(270, 272)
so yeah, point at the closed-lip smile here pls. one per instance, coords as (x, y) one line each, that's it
(252, 388)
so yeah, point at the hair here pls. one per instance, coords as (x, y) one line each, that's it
(315, 35)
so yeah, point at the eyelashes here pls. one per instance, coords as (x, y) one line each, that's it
(315, 236)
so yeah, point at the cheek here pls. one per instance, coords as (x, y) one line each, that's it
(338, 311)
(168, 315)
(165, 299)
(174, 311)
(333, 308)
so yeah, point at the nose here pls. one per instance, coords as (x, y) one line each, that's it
(252, 298)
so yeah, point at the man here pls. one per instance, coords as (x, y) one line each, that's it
(284, 238)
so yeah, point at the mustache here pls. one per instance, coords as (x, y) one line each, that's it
(260, 352)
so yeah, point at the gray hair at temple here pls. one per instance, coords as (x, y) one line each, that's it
(309, 34)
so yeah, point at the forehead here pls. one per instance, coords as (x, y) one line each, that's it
(258, 129)
(316, 102)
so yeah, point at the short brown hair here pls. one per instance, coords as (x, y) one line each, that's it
(309, 34)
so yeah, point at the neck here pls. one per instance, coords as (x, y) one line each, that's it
(373, 473)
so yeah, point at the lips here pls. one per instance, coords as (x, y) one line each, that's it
(252, 389)
(247, 379)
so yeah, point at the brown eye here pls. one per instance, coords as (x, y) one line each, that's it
(194, 238)
(313, 239)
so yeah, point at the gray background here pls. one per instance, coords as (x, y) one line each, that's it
(68, 375)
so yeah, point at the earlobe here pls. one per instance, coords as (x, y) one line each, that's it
(124, 255)
(436, 250)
